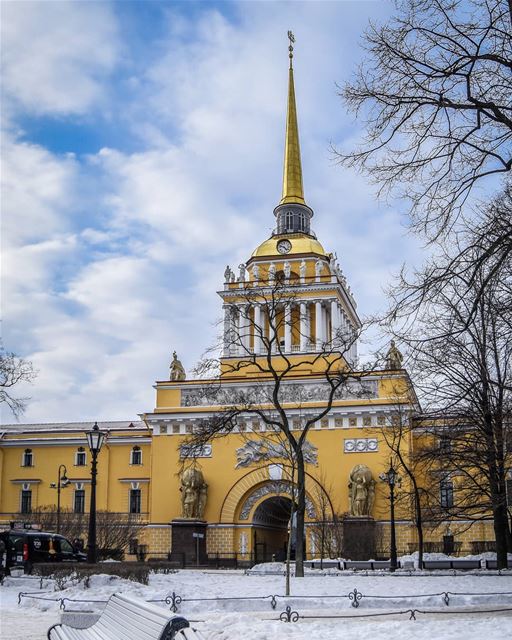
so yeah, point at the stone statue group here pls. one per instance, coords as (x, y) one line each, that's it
(194, 492)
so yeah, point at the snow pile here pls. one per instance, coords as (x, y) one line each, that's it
(255, 619)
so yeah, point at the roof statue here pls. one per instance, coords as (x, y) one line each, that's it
(177, 370)
(394, 358)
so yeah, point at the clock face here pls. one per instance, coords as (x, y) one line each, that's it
(283, 246)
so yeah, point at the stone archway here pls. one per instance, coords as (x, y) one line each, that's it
(270, 524)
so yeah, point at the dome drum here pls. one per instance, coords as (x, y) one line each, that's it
(293, 218)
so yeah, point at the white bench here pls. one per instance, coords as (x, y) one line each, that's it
(455, 563)
(368, 565)
(127, 618)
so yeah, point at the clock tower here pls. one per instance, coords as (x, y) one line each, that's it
(318, 311)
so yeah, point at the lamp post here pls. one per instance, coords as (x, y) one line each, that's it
(392, 479)
(95, 439)
(62, 483)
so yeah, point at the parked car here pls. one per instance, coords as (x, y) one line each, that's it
(24, 547)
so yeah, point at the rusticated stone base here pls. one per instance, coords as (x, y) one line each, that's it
(359, 538)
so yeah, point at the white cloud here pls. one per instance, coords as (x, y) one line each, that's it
(102, 290)
(37, 192)
(56, 55)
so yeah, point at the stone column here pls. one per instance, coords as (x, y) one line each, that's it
(304, 333)
(288, 328)
(319, 324)
(227, 330)
(258, 329)
(245, 329)
(334, 321)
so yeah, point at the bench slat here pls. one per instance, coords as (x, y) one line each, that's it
(123, 618)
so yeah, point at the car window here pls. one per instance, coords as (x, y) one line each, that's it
(65, 546)
(16, 541)
(40, 543)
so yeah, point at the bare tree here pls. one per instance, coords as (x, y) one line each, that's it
(13, 372)
(327, 530)
(278, 395)
(72, 525)
(114, 530)
(398, 434)
(436, 99)
(461, 361)
(465, 262)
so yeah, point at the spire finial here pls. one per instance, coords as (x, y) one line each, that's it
(291, 38)
(292, 176)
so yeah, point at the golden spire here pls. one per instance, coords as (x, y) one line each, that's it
(293, 191)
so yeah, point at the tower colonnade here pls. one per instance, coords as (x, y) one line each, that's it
(301, 325)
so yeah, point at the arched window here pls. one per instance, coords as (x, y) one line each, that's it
(28, 459)
(80, 457)
(136, 456)
(289, 221)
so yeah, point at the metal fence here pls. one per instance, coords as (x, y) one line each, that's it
(354, 598)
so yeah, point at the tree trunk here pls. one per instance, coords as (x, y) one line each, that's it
(500, 533)
(419, 528)
(301, 509)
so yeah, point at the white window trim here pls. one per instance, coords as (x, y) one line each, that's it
(139, 451)
(84, 453)
(23, 459)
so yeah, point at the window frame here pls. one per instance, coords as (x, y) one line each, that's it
(135, 501)
(28, 454)
(82, 453)
(26, 498)
(446, 491)
(138, 451)
(79, 499)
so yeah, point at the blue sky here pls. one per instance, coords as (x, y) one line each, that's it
(142, 149)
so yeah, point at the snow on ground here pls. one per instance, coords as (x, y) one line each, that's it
(256, 620)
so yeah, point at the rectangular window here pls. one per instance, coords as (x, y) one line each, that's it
(79, 503)
(80, 459)
(446, 493)
(28, 458)
(26, 501)
(136, 456)
(445, 445)
(135, 500)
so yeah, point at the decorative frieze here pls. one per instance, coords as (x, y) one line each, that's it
(216, 395)
(361, 445)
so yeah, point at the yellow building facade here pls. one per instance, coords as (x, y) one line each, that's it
(290, 305)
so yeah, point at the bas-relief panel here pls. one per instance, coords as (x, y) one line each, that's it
(213, 395)
(360, 445)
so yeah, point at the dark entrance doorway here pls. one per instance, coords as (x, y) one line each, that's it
(270, 524)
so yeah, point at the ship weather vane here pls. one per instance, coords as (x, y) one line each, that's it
(291, 38)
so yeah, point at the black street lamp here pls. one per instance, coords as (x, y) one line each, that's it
(392, 479)
(95, 439)
(62, 483)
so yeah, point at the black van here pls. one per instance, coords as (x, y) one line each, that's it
(24, 547)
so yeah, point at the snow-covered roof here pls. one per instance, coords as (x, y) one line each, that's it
(50, 427)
